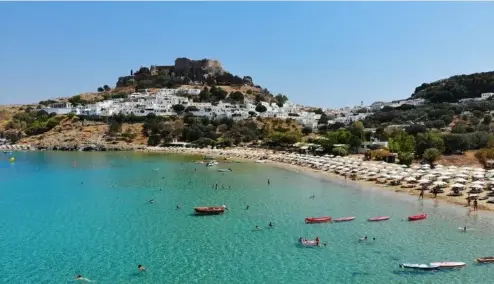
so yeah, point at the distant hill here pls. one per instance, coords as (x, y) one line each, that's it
(456, 88)
(184, 73)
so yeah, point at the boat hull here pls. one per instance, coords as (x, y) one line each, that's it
(378, 219)
(449, 264)
(487, 259)
(417, 217)
(215, 210)
(313, 220)
(344, 219)
(419, 266)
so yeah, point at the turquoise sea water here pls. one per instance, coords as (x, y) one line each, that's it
(52, 227)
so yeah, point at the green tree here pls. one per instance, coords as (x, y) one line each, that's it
(280, 99)
(427, 140)
(402, 143)
(178, 108)
(106, 88)
(474, 120)
(405, 158)
(205, 95)
(487, 119)
(431, 155)
(306, 130)
(456, 142)
(460, 127)
(100, 89)
(261, 108)
(236, 97)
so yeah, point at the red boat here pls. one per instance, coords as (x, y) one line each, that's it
(311, 220)
(417, 217)
(212, 210)
(379, 218)
(344, 219)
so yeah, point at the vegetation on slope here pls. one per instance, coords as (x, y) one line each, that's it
(456, 87)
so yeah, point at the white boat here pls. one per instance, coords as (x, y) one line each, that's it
(260, 161)
(212, 163)
(224, 170)
(449, 264)
(429, 266)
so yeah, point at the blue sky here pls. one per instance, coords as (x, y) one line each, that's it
(328, 54)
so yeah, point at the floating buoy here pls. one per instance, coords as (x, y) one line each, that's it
(12, 159)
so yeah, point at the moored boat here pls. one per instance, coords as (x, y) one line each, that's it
(485, 259)
(417, 217)
(449, 264)
(379, 218)
(310, 220)
(429, 266)
(211, 210)
(344, 219)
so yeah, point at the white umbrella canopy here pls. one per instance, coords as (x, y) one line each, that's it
(424, 181)
(477, 186)
(439, 183)
(478, 182)
(444, 177)
(458, 185)
(415, 167)
(462, 175)
(410, 179)
(460, 180)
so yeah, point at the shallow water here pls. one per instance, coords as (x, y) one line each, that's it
(54, 227)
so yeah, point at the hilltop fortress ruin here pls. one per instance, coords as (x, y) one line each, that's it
(184, 71)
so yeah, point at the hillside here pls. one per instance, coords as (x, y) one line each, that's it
(71, 132)
(456, 87)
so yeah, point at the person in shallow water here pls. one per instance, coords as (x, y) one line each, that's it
(178, 206)
(364, 238)
(258, 228)
(141, 268)
(317, 240)
(151, 201)
(80, 278)
(270, 225)
(247, 207)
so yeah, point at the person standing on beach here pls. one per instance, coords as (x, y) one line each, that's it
(475, 205)
(468, 201)
(421, 196)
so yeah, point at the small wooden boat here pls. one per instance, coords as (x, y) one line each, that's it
(212, 210)
(310, 220)
(344, 219)
(379, 218)
(224, 170)
(420, 266)
(449, 264)
(417, 217)
(485, 259)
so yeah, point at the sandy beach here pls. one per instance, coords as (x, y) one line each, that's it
(279, 159)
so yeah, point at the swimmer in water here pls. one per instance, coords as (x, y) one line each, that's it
(247, 207)
(151, 201)
(464, 229)
(80, 278)
(270, 225)
(258, 228)
(364, 238)
(178, 206)
(141, 268)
